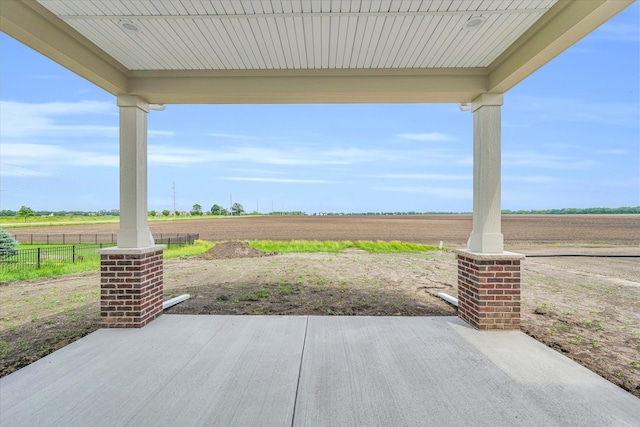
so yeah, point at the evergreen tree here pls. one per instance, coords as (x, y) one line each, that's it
(7, 244)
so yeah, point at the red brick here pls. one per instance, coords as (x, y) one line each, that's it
(131, 289)
(489, 293)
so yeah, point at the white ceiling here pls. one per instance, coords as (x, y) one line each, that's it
(300, 34)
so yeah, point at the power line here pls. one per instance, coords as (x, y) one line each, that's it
(174, 198)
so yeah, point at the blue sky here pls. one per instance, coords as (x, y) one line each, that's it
(570, 138)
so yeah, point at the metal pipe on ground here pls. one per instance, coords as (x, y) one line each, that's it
(448, 298)
(174, 301)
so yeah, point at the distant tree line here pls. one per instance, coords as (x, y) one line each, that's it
(290, 213)
(196, 210)
(23, 209)
(238, 209)
(564, 211)
(581, 211)
(383, 213)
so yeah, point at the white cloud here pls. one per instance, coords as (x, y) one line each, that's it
(520, 159)
(544, 161)
(233, 136)
(59, 119)
(618, 32)
(301, 156)
(534, 179)
(45, 76)
(441, 192)
(465, 161)
(279, 180)
(48, 156)
(614, 151)
(176, 156)
(258, 171)
(432, 136)
(7, 169)
(165, 155)
(19, 119)
(587, 149)
(423, 176)
(283, 155)
(152, 132)
(564, 146)
(525, 111)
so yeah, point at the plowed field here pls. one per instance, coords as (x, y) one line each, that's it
(429, 229)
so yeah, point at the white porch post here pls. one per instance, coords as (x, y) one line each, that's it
(486, 236)
(488, 277)
(134, 229)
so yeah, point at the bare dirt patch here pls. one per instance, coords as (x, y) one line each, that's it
(227, 250)
(347, 283)
(587, 309)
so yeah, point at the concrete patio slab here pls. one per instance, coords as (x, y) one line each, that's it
(179, 370)
(419, 371)
(309, 371)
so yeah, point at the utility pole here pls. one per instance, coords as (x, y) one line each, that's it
(257, 206)
(230, 204)
(174, 199)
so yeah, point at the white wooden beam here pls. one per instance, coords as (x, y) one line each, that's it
(310, 86)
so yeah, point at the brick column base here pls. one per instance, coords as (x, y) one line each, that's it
(131, 290)
(489, 289)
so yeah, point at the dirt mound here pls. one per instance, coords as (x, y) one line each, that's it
(228, 250)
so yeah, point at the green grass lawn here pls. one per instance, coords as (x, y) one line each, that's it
(337, 246)
(90, 262)
(46, 221)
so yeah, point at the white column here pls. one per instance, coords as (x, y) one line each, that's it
(486, 236)
(134, 229)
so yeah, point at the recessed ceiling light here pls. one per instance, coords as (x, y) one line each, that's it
(474, 23)
(128, 27)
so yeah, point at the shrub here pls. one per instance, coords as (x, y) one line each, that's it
(7, 245)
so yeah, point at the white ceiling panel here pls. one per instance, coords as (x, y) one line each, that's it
(300, 34)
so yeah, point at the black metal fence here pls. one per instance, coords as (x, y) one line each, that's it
(97, 238)
(74, 251)
(176, 239)
(50, 256)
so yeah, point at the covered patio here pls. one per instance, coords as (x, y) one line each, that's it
(149, 54)
(219, 370)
